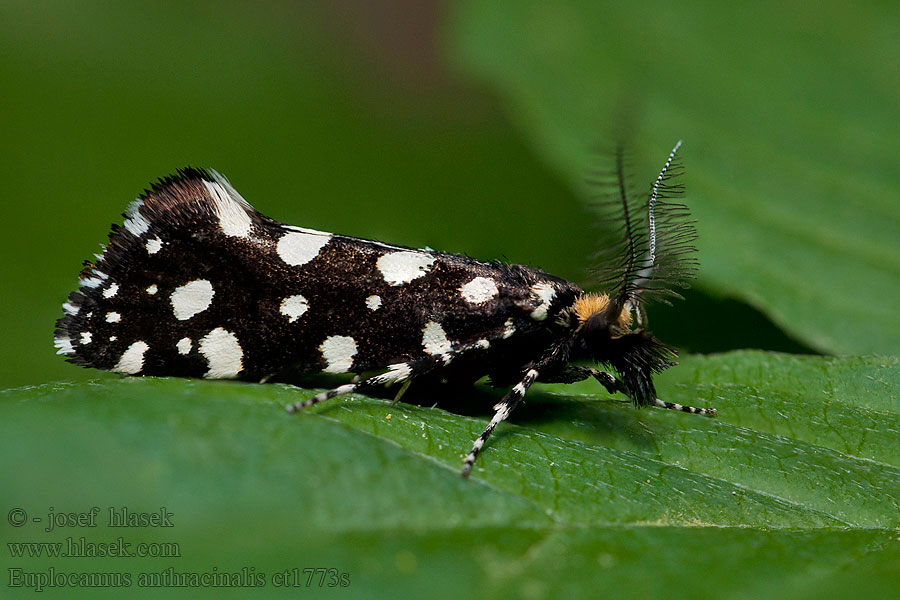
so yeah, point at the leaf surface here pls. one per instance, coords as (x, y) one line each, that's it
(797, 481)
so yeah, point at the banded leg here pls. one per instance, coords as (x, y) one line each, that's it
(709, 412)
(395, 373)
(504, 408)
(613, 384)
(404, 372)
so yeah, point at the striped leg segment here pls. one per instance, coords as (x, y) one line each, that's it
(614, 384)
(338, 391)
(404, 372)
(710, 412)
(395, 373)
(504, 408)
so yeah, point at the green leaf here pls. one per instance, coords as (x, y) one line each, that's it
(791, 128)
(792, 491)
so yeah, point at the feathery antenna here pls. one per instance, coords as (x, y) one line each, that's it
(648, 258)
(653, 197)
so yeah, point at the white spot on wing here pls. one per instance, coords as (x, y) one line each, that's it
(373, 302)
(191, 298)
(483, 344)
(223, 354)
(152, 289)
(479, 290)
(434, 340)
(135, 221)
(85, 338)
(184, 345)
(113, 317)
(544, 292)
(71, 309)
(229, 207)
(293, 307)
(338, 352)
(153, 246)
(132, 360)
(398, 268)
(63, 345)
(299, 247)
(111, 291)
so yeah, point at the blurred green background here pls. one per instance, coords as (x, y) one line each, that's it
(467, 127)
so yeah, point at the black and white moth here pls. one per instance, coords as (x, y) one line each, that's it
(197, 283)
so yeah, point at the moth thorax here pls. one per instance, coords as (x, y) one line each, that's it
(598, 306)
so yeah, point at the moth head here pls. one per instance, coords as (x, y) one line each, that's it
(603, 333)
(599, 322)
(595, 314)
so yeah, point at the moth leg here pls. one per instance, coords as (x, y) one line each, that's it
(503, 408)
(573, 373)
(710, 412)
(401, 391)
(395, 373)
(613, 384)
(570, 374)
(338, 391)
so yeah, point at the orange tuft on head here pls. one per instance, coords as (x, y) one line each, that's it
(593, 303)
(590, 304)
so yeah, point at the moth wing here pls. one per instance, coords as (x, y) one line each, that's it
(165, 295)
(197, 283)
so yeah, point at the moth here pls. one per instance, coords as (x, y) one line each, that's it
(197, 283)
